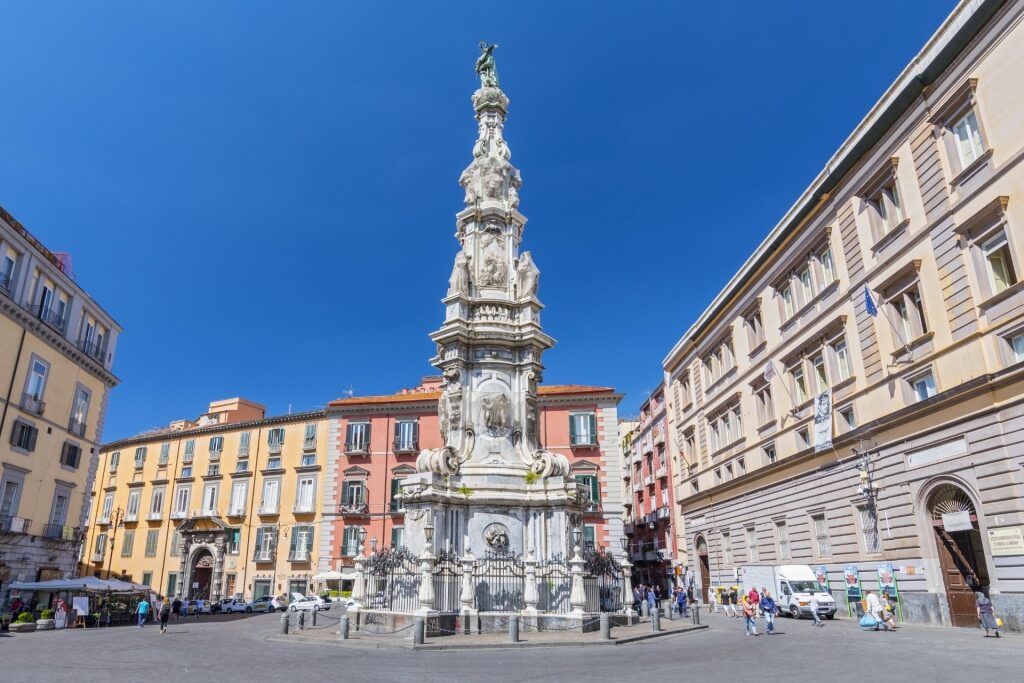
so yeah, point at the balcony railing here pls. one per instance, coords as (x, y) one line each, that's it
(357, 447)
(214, 456)
(14, 525)
(304, 507)
(96, 558)
(77, 428)
(60, 532)
(299, 556)
(638, 487)
(309, 444)
(263, 556)
(131, 516)
(659, 436)
(649, 480)
(239, 512)
(274, 447)
(354, 509)
(662, 472)
(178, 514)
(91, 349)
(406, 446)
(6, 283)
(52, 317)
(268, 510)
(33, 404)
(583, 440)
(664, 513)
(154, 516)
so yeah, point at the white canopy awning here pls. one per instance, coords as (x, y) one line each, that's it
(82, 583)
(335, 576)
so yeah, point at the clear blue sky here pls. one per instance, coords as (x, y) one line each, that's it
(263, 193)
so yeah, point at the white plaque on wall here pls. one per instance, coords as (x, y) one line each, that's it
(957, 521)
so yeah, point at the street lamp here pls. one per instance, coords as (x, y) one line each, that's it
(577, 533)
(428, 532)
(373, 545)
(623, 543)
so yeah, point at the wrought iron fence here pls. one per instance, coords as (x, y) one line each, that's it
(602, 582)
(554, 585)
(447, 582)
(500, 582)
(393, 580)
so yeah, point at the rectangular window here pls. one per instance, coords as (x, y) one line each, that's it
(715, 436)
(176, 544)
(752, 554)
(1017, 345)
(820, 376)
(35, 386)
(357, 437)
(406, 436)
(887, 206)
(266, 540)
(275, 439)
(234, 546)
(186, 471)
(923, 387)
(788, 309)
(824, 546)
(397, 536)
(216, 446)
(353, 494)
(182, 497)
(308, 459)
(589, 536)
(583, 429)
(999, 262)
(806, 285)
(828, 269)
(309, 436)
(172, 583)
(726, 547)
(769, 454)
(765, 405)
(803, 438)
(165, 454)
(131, 512)
(140, 457)
(842, 356)
(79, 412)
(242, 466)
(799, 384)
(908, 310)
(755, 330)
(127, 541)
(782, 536)
(849, 420)
(239, 493)
(213, 469)
(115, 460)
(305, 494)
(70, 455)
(968, 139)
(271, 496)
(147, 578)
(593, 487)
(243, 444)
(108, 507)
(869, 530)
(156, 503)
(152, 536)
(190, 450)
(99, 550)
(397, 505)
(23, 436)
(274, 462)
(350, 542)
(301, 544)
(58, 511)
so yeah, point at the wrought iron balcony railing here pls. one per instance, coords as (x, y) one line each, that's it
(55, 318)
(32, 404)
(76, 427)
(91, 348)
(357, 447)
(14, 525)
(406, 446)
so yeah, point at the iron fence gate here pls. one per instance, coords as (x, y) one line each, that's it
(447, 582)
(602, 582)
(554, 585)
(500, 582)
(393, 580)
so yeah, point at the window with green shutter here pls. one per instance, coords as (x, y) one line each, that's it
(589, 537)
(583, 429)
(397, 536)
(593, 485)
(396, 501)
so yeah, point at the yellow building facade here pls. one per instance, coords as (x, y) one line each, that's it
(224, 506)
(56, 353)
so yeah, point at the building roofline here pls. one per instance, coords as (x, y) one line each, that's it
(167, 434)
(544, 392)
(960, 27)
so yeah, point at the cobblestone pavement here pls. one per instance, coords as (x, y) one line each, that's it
(242, 648)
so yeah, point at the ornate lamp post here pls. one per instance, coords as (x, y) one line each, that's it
(359, 589)
(627, 579)
(577, 597)
(427, 569)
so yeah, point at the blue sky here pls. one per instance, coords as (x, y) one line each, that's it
(263, 193)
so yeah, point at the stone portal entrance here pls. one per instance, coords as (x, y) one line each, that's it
(202, 575)
(961, 553)
(705, 567)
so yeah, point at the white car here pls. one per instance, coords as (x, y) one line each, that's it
(230, 605)
(268, 603)
(307, 602)
(196, 607)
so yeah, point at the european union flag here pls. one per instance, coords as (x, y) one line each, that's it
(869, 303)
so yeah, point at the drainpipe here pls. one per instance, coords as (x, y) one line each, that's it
(170, 530)
(14, 374)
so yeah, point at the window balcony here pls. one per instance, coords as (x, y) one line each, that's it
(627, 503)
(6, 284)
(263, 556)
(406, 446)
(103, 521)
(237, 512)
(628, 528)
(32, 404)
(131, 516)
(77, 428)
(355, 510)
(584, 441)
(649, 480)
(56, 319)
(14, 525)
(178, 514)
(357, 448)
(303, 508)
(91, 349)
(268, 510)
(274, 448)
(59, 532)
(662, 472)
(309, 444)
(659, 436)
(638, 487)
(299, 556)
(215, 456)
(664, 513)
(96, 558)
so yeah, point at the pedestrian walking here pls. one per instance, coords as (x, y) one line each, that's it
(689, 594)
(749, 612)
(712, 600)
(986, 614)
(638, 596)
(814, 610)
(734, 599)
(143, 611)
(176, 609)
(165, 614)
(768, 610)
(888, 611)
(681, 601)
(650, 600)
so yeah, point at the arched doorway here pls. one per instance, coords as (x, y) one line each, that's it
(202, 574)
(705, 566)
(954, 520)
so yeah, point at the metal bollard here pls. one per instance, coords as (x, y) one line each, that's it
(284, 624)
(302, 620)
(656, 620)
(606, 626)
(343, 627)
(314, 618)
(417, 631)
(671, 612)
(696, 614)
(513, 628)
(645, 609)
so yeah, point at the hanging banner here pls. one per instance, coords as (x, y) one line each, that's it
(821, 574)
(886, 579)
(957, 521)
(823, 421)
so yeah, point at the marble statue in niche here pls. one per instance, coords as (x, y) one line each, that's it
(458, 283)
(494, 272)
(494, 410)
(528, 276)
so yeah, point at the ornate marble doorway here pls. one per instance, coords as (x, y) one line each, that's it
(202, 575)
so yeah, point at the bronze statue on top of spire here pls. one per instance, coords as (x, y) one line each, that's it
(485, 67)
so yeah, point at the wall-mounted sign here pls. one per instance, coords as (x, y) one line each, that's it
(1008, 541)
(957, 521)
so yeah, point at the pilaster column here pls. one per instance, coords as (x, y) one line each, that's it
(577, 597)
(359, 588)
(184, 580)
(218, 568)
(627, 585)
(467, 595)
(530, 596)
(426, 581)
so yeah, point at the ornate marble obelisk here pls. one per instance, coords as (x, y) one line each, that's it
(491, 486)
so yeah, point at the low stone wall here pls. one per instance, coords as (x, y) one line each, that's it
(399, 624)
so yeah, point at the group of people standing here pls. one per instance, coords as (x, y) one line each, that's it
(752, 604)
(653, 595)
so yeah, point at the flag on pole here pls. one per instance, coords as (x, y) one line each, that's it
(869, 303)
(769, 371)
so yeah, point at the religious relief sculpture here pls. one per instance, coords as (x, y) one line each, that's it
(485, 67)
(495, 413)
(458, 283)
(494, 272)
(496, 536)
(528, 275)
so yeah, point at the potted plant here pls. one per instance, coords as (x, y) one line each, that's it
(45, 621)
(23, 623)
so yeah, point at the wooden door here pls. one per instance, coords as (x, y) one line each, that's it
(705, 576)
(958, 575)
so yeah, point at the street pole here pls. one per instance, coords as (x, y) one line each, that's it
(113, 535)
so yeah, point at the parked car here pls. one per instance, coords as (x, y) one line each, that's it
(232, 605)
(307, 602)
(268, 603)
(198, 607)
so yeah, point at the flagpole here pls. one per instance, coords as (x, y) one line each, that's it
(774, 374)
(884, 308)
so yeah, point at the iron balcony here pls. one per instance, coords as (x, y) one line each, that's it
(32, 404)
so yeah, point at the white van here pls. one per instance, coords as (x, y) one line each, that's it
(792, 586)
